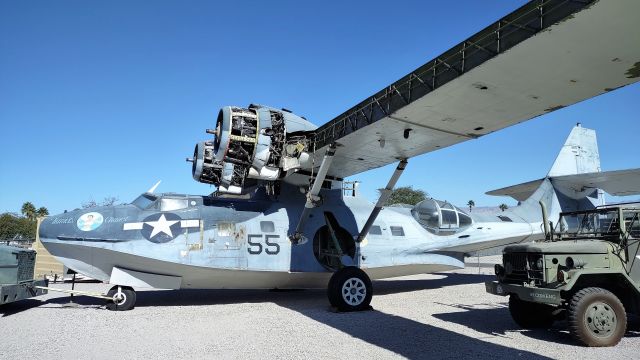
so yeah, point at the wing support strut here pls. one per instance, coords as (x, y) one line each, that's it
(312, 195)
(383, 198)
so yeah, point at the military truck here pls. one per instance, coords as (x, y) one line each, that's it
(587, 270)
(16, 275)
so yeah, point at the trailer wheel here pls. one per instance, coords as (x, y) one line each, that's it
(596, 317)
(350, 289)
(530, 315)
(123, 298)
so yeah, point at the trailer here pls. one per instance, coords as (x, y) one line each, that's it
(16, 275)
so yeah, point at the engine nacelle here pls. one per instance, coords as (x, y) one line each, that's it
(205, 168)
(250, 143)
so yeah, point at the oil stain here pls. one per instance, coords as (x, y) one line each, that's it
(553, 108)
(634, 72)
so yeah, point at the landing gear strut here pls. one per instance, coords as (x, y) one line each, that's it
(122, 298)
(350, 289)
(312, 194)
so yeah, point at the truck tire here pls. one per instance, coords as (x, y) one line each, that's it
(596, 317)
(530, 315)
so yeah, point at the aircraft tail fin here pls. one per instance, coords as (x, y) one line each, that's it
(578, 159)
(578, 155)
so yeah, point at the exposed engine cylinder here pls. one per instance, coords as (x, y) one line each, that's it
(248, 144)
(205, 168)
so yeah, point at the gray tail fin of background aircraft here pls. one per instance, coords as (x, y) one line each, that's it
(574, 182)
(578, 155)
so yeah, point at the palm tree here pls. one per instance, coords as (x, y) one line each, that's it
(42, 211)
(28, 210)
(503, 207)
(471, 204)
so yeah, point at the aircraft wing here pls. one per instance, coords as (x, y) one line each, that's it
(540, 58)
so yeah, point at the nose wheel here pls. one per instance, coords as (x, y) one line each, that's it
(350, 289)
(122, 298)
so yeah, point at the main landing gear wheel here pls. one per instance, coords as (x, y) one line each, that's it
(350, 289)
(123, 298)
(596, 317)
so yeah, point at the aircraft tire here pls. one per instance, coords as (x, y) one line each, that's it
(596, 317)
(127, 299)
(530, 315)
(350, 289)
(333, 300)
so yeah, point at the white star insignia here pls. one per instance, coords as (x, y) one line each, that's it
(162, 225)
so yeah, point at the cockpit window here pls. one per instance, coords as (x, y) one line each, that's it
(445, 205)
(144, 201)
(440, 217)
(169, 204)
(449, 219)
(465, 220)
(427, 213)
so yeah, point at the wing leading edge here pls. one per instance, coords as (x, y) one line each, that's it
(538, 59)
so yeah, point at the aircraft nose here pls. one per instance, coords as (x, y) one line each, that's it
(75, 224)
(95, 224)
(53, 226)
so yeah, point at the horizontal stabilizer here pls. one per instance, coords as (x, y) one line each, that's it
(520, 192)
(618, 183)
(577, 186)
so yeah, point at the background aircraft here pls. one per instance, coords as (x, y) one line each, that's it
(291, 172)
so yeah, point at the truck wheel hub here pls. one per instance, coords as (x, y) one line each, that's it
(601, 319)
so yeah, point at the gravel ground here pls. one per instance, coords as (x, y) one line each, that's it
(445, 315)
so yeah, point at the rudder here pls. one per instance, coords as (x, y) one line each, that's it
(578, 155)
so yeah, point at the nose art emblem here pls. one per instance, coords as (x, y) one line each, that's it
(89, 221)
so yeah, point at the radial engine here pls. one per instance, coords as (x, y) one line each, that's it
(252, 145)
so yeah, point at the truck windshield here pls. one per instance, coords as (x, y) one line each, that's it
(598, 223)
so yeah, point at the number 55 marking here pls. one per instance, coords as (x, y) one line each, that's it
(255, 246)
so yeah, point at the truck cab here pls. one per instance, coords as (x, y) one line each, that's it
(587, 269)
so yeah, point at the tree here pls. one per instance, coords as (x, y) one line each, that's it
(107, 201)
(503, 207)
(11, 225)
(42, 211)
(28, 210)
(471, 204)
(405, 195)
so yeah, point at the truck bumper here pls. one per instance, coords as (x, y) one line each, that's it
(15, 292)
(525, 293)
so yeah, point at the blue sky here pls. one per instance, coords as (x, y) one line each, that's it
(103, 99)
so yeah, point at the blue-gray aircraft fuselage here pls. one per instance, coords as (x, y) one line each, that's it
(176, 241)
